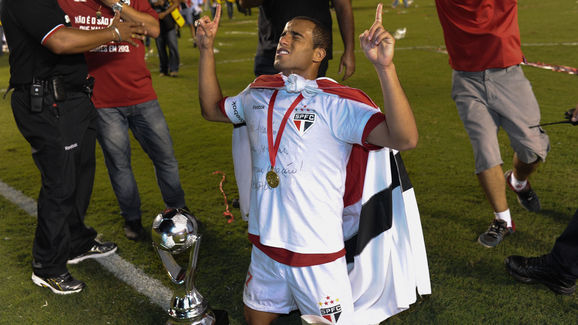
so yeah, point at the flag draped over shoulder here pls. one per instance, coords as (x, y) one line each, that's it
(385, 247)
(383, 236)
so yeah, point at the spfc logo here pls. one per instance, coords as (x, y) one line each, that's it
(330, 309)
(304, 119)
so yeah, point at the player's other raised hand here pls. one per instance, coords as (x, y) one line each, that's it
(207, 30)
(377, 43)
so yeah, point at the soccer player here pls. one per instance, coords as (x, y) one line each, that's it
(301, 132)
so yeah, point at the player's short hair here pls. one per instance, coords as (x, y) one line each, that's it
(321, 34)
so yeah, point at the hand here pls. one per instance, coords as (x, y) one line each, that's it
(347, 64)
(377, 43)
(128, 30)
(207, 30)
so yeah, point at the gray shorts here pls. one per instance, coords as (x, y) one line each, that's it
(494, 98)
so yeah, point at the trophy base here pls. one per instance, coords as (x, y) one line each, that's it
(211, 317)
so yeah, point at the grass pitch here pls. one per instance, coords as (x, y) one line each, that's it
(469, 283)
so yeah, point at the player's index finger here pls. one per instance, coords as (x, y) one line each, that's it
(218, 14)
(378, 12)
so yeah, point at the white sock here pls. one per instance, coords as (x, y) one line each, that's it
(505, 216)
(517, 184)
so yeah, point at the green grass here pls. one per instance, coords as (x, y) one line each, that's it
(469, 283)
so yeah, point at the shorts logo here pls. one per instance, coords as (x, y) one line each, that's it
(304, 119)
(330, 309)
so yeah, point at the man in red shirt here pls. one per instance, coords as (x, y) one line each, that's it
(491, 91)
(125, 99)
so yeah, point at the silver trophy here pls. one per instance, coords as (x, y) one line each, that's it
(174, 231)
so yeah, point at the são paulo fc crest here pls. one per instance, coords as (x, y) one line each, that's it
(330, 308)
(303, 119)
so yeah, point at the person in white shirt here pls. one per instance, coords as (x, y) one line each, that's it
(302, 131)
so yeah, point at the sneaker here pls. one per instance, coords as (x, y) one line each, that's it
(63, 284)
(526, 196)
(97, 250)
(134, 230)
(538, 270)
(497, 231)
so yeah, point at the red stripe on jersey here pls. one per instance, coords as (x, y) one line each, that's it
(288, 257)
(328, 86)
(331, 87)
(374, 121)
(268, 81)
(222, 106)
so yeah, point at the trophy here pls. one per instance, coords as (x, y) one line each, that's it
(174, 231)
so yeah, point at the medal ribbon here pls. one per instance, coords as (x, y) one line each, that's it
(273, 153)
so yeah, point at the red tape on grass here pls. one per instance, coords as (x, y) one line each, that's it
(230, 217)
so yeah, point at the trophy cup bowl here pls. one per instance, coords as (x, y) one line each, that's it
(175, 231)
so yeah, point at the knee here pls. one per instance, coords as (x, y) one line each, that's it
(254, 317)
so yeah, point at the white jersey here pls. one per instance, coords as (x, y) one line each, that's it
(304, 213)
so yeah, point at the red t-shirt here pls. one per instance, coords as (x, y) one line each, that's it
(480, 34)
(119, 69)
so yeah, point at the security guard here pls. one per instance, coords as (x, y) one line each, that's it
(52, 108)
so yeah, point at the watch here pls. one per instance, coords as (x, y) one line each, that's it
(117, 6)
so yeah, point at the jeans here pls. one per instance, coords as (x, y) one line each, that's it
(168, 63)
(148, 125)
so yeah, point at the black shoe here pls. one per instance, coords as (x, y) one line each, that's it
(134, 230)
(537, 269)
(526, 196)
(97, 250)
(63, 284)
(497, 231)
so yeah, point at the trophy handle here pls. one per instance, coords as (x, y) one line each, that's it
(192, 267)
(175, 271)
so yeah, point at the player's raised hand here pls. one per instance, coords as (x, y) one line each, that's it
(377, 43)
(207, 30)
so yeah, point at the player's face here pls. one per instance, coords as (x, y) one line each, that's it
(295, 52)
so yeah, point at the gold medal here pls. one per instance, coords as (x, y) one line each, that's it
(272, 179)
(99, 13)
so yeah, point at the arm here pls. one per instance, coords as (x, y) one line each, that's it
(69, 40)
(250, 3)
(128, 13)
(209, 89)
(399, 131)
(344, 15)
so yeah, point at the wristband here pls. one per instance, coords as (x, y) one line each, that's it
(117, 7)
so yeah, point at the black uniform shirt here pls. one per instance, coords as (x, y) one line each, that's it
(26, 24)
(274, 14)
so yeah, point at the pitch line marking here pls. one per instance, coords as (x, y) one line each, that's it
(119, 267)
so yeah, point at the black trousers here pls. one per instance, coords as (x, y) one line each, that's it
(565, 251)
(63, 140)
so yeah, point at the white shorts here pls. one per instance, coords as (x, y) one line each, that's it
(322, 290)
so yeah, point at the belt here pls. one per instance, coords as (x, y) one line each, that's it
(68, 88)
